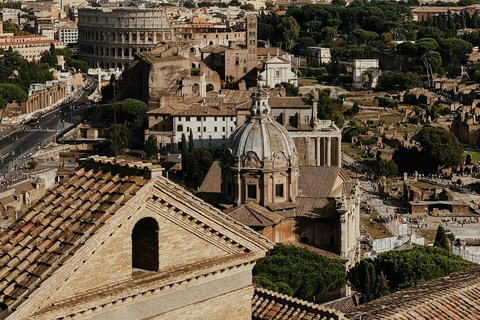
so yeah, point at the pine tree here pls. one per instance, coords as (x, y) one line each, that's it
(441, 240)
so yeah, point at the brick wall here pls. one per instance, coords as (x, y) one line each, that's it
(112, 262)
(234, 305)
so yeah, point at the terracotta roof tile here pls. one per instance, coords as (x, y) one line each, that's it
(456, 296)
(52, 231)
(267, 304)
(254, 215)
(317, 181)
(211, 183)
(40, 232)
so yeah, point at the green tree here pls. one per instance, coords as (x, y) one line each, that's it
(298, 272)
(355, 108)
(128, 109)
(191, 143)
(399, 81)
(289, 30)
(151, 146)
(402, 269)
(264, 31)
(10, 93)
(123, 138)
(10, 27)
(339, 3)
(387, 168)
(440, 147)
(50, 57)
(290, 89)
(303, 43)
(364, 37)
(441, 240)
(329, 108)
(197, 164)
(247, 7)
(189, 4)
(184, 151)
(328, 34)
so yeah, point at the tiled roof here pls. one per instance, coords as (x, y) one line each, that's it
(289, 102)
(343, 304)
(49, 233)
(270, 50)
(236, 96)
(317, 181)
(62, 222)
(456, 296)
(213, 179)
(267, 304)
(254, 215)
(316, 206)
(314, 249)
(206, 110)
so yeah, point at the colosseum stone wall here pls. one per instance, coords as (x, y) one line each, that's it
(110, 37)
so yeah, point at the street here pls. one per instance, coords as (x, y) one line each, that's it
(15, 148)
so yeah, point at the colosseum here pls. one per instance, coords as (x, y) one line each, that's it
(110, 37)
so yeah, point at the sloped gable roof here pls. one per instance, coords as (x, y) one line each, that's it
(456, 296)
(213, 179)
(267, 304)
(254, 215)
(317, 181)
(60, 225)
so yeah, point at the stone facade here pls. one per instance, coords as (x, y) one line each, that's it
(261, 162)
(316, 56)
(277, 70)
(365, 73)
(111, 37)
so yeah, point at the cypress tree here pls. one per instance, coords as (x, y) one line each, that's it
(367, 295)
(191, 144)
(382, 285)
(441, 240)
(184, 151)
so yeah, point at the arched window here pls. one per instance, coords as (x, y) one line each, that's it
(179, 128)
(145, 244)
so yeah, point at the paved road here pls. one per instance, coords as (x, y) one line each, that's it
(15, 148)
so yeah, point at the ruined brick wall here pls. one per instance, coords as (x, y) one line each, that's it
(164, 77)
(306, 151)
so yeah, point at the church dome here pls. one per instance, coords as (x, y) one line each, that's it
(261, 139)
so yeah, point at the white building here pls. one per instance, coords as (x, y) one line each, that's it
(277, 70)
(68, 34)
(210, 126)
(317, 55)
(30, 47)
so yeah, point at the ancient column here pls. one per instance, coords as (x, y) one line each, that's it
(318, 151)
(329, 151)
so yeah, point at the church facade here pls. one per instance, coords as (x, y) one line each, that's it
(118, 241)
(262, 185)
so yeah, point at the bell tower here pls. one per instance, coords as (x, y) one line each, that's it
(251, 27)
